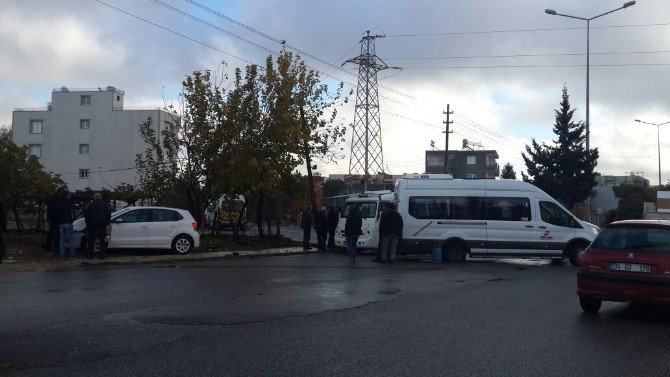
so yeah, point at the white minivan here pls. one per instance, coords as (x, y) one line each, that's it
(370, 205)
(486, 218)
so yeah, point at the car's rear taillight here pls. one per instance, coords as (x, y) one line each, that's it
(584, 259)
(195, 226)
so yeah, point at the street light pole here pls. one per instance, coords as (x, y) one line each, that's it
(588, 66)
(658, 141)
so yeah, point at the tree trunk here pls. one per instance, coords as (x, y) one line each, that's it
(308, 160)
(278, 225)
(259, 216)
(3, 217)
(215, 222)
(3, 248)
(17, 218)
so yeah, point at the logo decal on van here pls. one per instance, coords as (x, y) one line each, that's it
(547, 235)
(423, 227)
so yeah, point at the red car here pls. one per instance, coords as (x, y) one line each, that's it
(628, 261)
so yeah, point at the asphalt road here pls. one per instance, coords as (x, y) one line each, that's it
(314, 315)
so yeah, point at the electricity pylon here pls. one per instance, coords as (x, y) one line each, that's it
(367, 160)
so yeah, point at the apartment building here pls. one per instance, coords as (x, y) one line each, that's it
(87, 136)
(465, 164)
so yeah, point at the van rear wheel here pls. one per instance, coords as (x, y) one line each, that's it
(454, 252)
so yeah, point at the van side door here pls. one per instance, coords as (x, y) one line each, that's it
(510, 226)
(555, 229)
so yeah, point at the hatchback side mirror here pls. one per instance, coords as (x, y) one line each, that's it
(118, 220)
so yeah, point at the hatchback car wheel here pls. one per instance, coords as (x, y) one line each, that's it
(590, 304)
(182, 245)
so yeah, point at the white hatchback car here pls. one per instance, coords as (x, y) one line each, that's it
(147, 228)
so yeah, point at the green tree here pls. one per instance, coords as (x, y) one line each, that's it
(178, 166)
(508, 172)
(565, 170)
(24, 183)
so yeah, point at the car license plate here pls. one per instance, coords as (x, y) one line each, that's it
(631, 267)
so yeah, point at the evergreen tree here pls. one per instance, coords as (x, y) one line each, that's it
(508, 172)
(565, 170)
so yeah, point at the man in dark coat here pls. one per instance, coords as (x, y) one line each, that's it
(333, 218)
(53, 236)
(378, 257)
(97, 216)
(353, 229)
(64, 217)
(390, 227)
(306, 226)
(321, 227)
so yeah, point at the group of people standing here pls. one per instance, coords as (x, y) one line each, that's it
(61, 215)
(324, 224)
(390, 230)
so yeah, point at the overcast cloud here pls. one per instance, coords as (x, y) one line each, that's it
(81, 43)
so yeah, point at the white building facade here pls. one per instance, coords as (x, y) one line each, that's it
(87, 136)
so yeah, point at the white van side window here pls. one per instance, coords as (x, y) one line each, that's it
(508, 209)
(447, 207)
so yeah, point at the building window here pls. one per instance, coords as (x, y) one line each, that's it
(83, 173)
(434, 160)
(35, 150)
(118, 97)
(472, 160)
(84, 124)
(83, 148)
(35, 126)
(471, 176)
(85, 100)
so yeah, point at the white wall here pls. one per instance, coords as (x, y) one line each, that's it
(113, 137)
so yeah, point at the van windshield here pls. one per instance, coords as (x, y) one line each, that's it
(368, 209)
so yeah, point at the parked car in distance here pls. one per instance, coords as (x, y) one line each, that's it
(147, 228)
(628, 261)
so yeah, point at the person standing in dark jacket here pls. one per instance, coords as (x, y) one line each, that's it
(97, 216)
(378, 257)
(306, 226)
(390, 227)
(321, 227)
(353, 229)
(333, 218)
(64, 217)
(53, 238)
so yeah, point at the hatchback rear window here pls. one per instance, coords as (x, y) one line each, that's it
(630, 239)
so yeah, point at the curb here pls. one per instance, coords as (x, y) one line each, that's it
(194, 257)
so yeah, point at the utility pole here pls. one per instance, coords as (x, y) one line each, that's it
(366, 143)
(446, 133)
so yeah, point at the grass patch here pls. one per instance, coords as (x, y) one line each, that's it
(226, 242)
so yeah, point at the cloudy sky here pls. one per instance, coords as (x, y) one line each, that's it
(500, 65)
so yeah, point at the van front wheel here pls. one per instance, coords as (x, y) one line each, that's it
(454, 252)
(574, 253)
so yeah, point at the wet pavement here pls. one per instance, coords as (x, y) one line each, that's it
(317, 314)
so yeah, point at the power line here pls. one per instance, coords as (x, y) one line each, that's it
(538, 66)
(522, 30)
(527, 55)
(200, 20)
(300, 51)
(173, 31)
